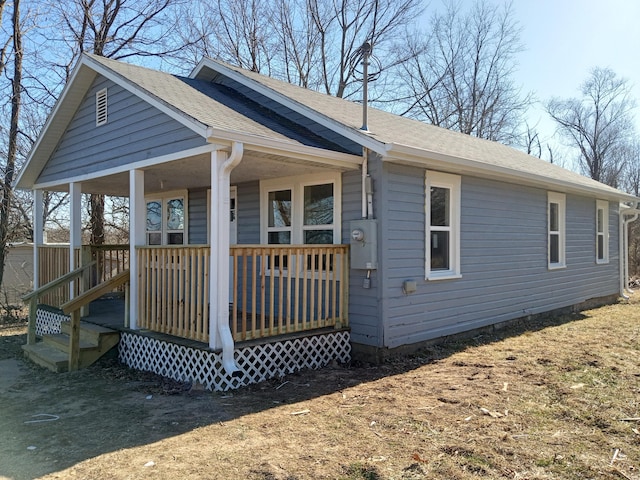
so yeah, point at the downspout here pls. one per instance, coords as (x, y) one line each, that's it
(224, 331)
(624, 251)
(365, 175)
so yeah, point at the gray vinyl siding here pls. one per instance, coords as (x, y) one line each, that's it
(364, 307)
(197, 214)
(134, 131)
(503, 258)
(248, 211)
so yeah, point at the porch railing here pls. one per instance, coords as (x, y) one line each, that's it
(287, 289)
(53, 263)
(110, 260)
(274, 289)
(173, 288)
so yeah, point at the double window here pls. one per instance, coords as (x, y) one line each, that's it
(602, 231)
(556, 207)
(443, 225)
(166, 219)
(301, 210)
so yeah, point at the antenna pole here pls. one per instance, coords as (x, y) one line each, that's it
(366, 51)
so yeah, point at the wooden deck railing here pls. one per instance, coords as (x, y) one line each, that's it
(274, 289)
(53, 263)
(35, 297)
(73, 307)
(173, 290)
(110, 260)
(288, 288)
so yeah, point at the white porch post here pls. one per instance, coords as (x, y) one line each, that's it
(75, 229)
(137, 219)
(38, 234)
(219, 330)
(217, 159)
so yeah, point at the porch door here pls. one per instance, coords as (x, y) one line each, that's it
(233, 235)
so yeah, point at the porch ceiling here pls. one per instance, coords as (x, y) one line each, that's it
(195, 172)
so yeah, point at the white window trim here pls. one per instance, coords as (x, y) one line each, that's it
(296, 184)
(604, 206)
(453, 183)
(162, 198)
(101, 107)
(561, 201)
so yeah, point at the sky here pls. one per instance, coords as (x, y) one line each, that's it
(565, 39)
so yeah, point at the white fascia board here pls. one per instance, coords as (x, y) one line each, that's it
(424, 158)
(189, 122)
(331, 124)
(141, 164)
(282, 148)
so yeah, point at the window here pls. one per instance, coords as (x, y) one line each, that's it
(301, 210)
(101, 107)
(602, 231)
(166, 219)
(443, 226)
(556, 227)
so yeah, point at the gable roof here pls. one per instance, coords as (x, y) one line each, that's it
(208, 109)
(216, 111)
(409, 141)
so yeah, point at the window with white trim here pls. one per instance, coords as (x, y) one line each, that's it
(301, 210)
(602, 231)
(442, 225)
(556, 207)
(167, 219)
(101, 107)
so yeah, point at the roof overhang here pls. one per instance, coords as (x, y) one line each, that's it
(405, 155)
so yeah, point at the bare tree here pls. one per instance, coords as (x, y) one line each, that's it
(12, 149)
(460, 75)
(312, 43)
(599, 124)
(115, 29)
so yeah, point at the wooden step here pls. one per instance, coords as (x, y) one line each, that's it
(90, 332)
(47, 356)
(61, 341)
(53, 351)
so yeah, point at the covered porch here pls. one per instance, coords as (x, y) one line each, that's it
(249, 285)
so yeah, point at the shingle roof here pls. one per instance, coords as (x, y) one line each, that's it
(395, 131)
(214, 105)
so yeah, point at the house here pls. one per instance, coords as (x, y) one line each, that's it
(269, 232)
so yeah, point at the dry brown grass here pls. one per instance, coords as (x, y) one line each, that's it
(552, 402)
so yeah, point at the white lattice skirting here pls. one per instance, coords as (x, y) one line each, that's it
(258, 363)
(48, 321)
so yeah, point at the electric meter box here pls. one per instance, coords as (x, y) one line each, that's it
(364, 244)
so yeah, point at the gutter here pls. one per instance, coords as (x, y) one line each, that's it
(222, 272)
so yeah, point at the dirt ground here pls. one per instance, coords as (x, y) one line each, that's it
(558, 399)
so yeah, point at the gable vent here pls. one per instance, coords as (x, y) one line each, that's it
(101, 107)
